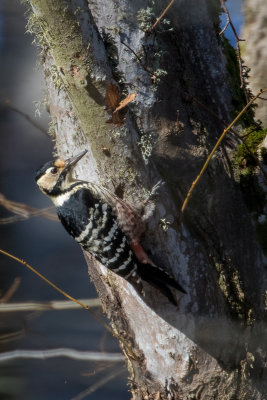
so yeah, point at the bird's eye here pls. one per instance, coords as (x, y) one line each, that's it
(53, 170)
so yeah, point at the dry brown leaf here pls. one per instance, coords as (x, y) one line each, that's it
(117, 107)
(125, 102)
(112, 98)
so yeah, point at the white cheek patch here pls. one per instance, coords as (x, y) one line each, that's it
(47, 182)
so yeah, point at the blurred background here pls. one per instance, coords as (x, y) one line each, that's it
(44, 244)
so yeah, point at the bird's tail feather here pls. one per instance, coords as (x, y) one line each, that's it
(159, 279)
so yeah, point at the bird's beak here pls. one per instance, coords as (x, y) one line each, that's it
(70, 162)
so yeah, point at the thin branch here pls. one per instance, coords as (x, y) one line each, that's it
(26, 116)
(148, 70)
(11, 220)
(162, 15)
(240, 63)
(9, 337)
(43, 278)
(138, 58)
(61, 352)
(57, 288)
(233, 131)
(23, 211)
(230, 21)
(251, 131)
(48, 305)
(101, 382)
(97, 369)
(11, 291)
(195, 182)
(226, 26)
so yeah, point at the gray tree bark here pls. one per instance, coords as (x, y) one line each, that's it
(254, 49)
(211, 346)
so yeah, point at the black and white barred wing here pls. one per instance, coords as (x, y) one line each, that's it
(92, 223)
(128, 217)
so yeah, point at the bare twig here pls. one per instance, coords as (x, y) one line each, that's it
(26, 116)
(57, 288)
(234, 132)
(11, 220)
(195, 182)
(9, 337)
(229, 21)
(23, 211)
(226, 26)
(46, 306)
(251, 131)
(240, 63)
(10, 292)
(61, 352)
(162, 15)
(98, 369)
(43, 278)
(98, 384)
(138, 58)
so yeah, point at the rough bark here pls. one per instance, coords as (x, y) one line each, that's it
(208, 346)
(254, 49)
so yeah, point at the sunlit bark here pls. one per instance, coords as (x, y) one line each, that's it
(205, 348)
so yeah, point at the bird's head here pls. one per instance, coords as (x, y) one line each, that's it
(56, 176)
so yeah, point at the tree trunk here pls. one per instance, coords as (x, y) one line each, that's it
(95, 53)
(254, 49)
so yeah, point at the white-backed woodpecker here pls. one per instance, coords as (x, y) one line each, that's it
(103, 224)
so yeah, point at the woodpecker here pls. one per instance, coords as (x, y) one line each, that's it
(103, 224)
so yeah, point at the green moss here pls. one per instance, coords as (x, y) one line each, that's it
(56, 77)
(33, 27)
(238, 95)
(244, 152)
(246, 166)
(55, 26)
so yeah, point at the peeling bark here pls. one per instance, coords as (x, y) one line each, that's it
(207, 347)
